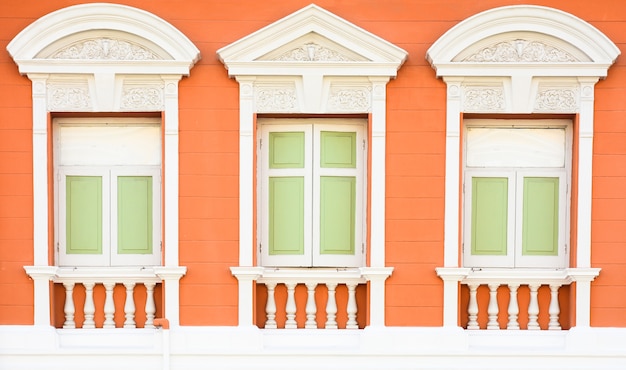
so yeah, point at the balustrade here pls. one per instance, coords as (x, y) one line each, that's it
(512, 280)
(90, 278)
(311, 280)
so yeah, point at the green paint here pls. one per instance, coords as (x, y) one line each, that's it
(286, 149)
(83, 214)
(338, 149)
(134, 215)
(286, 215)
(337, 214)
(540, 227)
(489, 215)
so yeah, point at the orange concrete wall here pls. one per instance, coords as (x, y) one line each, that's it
(415, 158)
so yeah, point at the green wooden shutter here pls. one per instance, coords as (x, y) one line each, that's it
(489, 216)
(540, 220)
(337, 214)
(134, 215)
(83, 214)
(286, 194)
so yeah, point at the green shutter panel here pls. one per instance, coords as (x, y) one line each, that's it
(286, 215)
(337, 149)
(489, 216)
(286, 150)
(540, 225)
(134, 215)
(83, 214)
(337, 214)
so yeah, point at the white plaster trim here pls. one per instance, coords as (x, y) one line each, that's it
(101, 89)
(304, 84)
(523, 84)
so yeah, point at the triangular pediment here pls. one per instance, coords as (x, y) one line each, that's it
(311, 35)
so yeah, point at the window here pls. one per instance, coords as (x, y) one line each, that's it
(516, 193)
(312, 192)
(108, 192)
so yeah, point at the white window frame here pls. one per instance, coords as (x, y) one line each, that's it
(516, 175)
(312, 173)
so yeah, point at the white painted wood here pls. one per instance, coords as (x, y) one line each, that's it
(89, 308)
(68, 308)
(129, 306)
(513, 310)
(246, 286)
(533, 307)
(376, 277)
(352, 307)
(554, 309)
(270, 307)
(472, 307)
(492, 308)
(290, 306)
(331, 307)
(311, 307)
(109, 306)
(150, 305)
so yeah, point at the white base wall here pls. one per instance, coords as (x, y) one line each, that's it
(234, 348)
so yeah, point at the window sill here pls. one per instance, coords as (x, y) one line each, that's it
(565, 276)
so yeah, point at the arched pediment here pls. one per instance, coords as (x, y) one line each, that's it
(82, 36)
(523, 35)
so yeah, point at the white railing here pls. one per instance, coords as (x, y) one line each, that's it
(311, 279)
(130, 278)
(513, 279)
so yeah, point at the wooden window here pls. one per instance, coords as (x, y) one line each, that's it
(312, 192)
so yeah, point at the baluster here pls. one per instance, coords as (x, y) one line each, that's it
(352, 308)
(69, 308)
(129, 306)
(90, 308)
(270, 307)
(290, 308)
(513, 311)
(109, 306)
(331, 307)
(492, 309)
(554, 309)
(311, 308)
(472, 308)
(533, 308)
(150, 305)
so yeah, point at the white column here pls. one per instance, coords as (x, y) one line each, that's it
(554, 309)
(472, 308)
(533, 307)
(170, 170)
(246, 277)
(41, 276)
(89, 309)
(376, 278)
(270, 307)
(171, 289)
(351, 307)
(451, 277)
(246, 172)
(129, 306)
(311, 307)
(331, 307)
(583, 279)
(492, 308)
(377, 186)
(68, 307)
(513, 310)
(109, 305)
(290, 306)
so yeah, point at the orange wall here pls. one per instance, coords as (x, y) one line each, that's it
(415, 159)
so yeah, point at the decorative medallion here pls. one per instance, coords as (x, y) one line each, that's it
(68, 98)
(350, 100)
(483, 99)
(105, 49)
(142, 98)
(521, 51)
(282, 99)
(312, 52)
(557, 100)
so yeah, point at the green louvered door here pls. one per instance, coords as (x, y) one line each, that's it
(311, 194)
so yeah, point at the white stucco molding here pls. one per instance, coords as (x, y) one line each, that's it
(520, 59)
(311, 62)
(103, 58)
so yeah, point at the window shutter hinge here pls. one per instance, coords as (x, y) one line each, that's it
(260, 143)
(565, 248)
(363, 248)
(260, 247)
(58, 247)
(363, 144)
(161, 246)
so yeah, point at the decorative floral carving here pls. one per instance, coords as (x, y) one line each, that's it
(105, 49)
(142, 98)
(350, 100)
(521, 51)
(68, 98)
(481, 99)
(312, 52)
(557, 100)
(276, 100)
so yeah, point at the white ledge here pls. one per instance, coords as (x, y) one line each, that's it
(516, 276)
